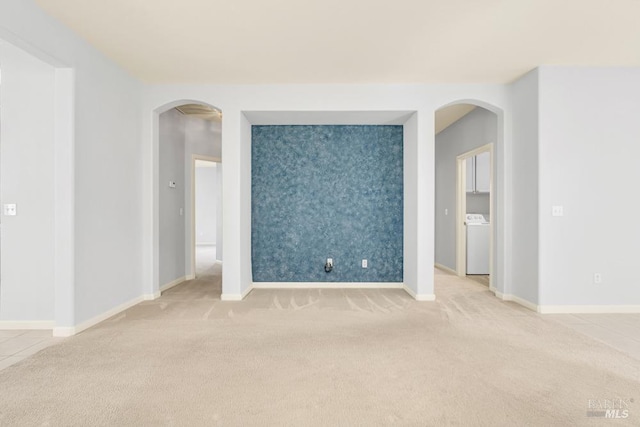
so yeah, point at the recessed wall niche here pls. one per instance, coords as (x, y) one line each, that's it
(327, 191)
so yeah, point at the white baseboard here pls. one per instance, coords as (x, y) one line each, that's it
(327, 285)
(60, 331)
(247, 291)
(218, 262)
(190, 277)
(570, 309)
(236, 297)
(445, 268)
(173, 283)
(151, 297)
(419, 297)
(27, 324)
(587, 309)
(523, 302)
(69, 331)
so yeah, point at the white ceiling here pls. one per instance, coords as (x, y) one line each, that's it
(353, 41)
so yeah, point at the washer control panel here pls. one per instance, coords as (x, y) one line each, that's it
(475, 218)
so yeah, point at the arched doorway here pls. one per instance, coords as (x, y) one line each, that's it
(184, 132)
(469, 191)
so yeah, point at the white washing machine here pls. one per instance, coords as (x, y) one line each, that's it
(478, 243)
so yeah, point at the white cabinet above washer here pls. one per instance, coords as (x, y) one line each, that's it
(479, 173)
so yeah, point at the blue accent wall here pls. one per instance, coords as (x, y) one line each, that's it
(321, 192)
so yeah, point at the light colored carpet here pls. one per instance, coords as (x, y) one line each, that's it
(321, 357)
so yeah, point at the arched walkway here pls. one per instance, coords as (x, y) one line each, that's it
(173, 227)
(482, 130)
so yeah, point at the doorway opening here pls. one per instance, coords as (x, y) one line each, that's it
(466, 216)
(206, 215)
(474, 236)
(188, 133)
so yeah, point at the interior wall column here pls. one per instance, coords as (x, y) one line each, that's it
(64, 200)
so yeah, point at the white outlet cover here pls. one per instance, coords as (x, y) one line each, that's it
(10, 209)
(365, 264)
(557, 211)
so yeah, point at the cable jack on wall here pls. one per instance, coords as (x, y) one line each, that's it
(328, 266)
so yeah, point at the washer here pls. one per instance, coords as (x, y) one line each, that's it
(478, 242)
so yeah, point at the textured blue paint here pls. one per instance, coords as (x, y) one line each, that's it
(323, 192)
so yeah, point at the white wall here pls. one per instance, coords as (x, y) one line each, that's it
(589, 151)
(479, 203)
(206, 206)
(202, 138)
(27, 177)
(243, 245)
(107, 243)
(236, 100)
(219, 246)
(524, 205)
(172, 200)
(474, 130)
(411, 195)
(105, 240)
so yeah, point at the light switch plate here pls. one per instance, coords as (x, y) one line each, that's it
(10, 209)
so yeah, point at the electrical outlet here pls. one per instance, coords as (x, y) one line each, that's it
(328, 266)
(446, 211)
(365, 264)
(557, 211)
(597, 278)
